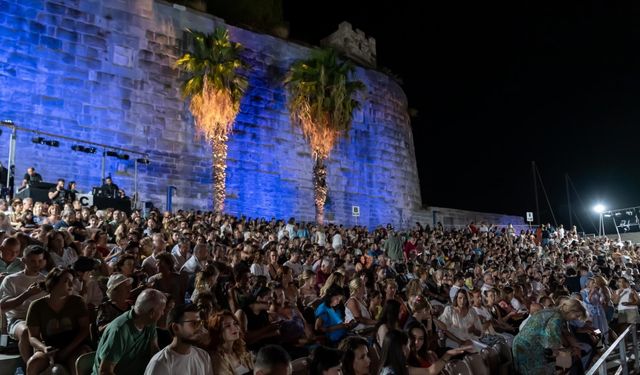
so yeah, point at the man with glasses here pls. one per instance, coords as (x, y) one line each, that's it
(181, 356)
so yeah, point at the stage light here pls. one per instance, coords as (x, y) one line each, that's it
(607, 215)
(80, 148)
(51, 143)
(116, 155)
(38, 140)
(143, 161)
(6, 122)
(599, 208)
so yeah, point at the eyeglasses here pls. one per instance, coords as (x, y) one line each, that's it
(197, 323)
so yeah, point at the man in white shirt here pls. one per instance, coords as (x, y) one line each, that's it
(150, 263)
(181, 356)
(17, 291)
(488, 282)
(320, 237)
(336, 241)
(198, 261)
(294, 263)
(182, 255)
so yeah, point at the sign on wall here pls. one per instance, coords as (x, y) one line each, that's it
(86, 200)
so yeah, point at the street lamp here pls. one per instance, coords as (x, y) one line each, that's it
(599, 209)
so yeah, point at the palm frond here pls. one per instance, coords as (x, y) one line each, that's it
(213, 81)
(321, 98)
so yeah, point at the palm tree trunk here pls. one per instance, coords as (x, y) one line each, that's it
(320, 188)
(219, 146)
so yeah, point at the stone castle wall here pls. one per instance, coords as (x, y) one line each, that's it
(103, 71)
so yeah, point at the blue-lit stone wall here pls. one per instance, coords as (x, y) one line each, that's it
(103, 71)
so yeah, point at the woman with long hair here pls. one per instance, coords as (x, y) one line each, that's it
(308, 292)
(329, 319)
(594, 300)
(355, 356)
(205, 281)
(227, 349)
(290, 288)
(396, 351)
(461, 320)
(325, 361)
(356, 306)
(336, 278)
(390, 293)
(423, 314)
(388, 321)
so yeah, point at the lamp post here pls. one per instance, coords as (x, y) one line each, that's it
(599, 209)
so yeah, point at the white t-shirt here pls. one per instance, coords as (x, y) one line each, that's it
(179, 260)
(336, 243)
(94, 293)
(295, 267)
(192, 266)
(167, 362)
(14, 285)
(67, 259)
(321, 238)
(260, 270)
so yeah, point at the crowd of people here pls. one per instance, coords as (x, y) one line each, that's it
(207, 293)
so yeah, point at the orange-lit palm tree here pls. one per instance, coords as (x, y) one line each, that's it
(321, 102)
(215, 88)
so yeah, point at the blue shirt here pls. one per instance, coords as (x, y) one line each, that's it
(331, 317)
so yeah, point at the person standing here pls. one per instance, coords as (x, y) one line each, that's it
(536, 345)
(393, 247)
(31, 177)
(57, 193)
(109, 189)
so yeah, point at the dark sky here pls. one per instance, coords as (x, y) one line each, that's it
(501, 85)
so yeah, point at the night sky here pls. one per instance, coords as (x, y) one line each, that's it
(505, 83)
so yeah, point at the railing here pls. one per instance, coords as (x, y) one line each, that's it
(600, 366)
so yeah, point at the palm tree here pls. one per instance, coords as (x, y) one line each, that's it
(321, 103)
(215, 89)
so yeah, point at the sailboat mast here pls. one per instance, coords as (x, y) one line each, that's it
(535, 190)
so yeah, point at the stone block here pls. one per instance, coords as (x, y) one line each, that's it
(65, 34)
(55, 8)
(50, 42)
